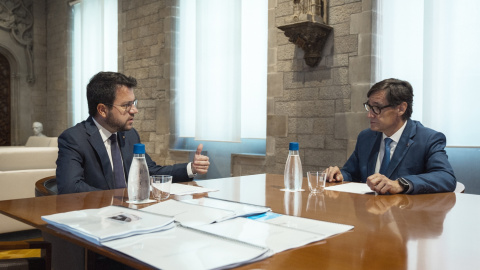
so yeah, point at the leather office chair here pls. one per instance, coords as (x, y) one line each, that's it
(43, 262)
(46, 186)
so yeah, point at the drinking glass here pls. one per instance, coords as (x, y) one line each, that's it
(160, 186)
(316, 181)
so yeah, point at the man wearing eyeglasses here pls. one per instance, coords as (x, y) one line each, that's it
(96, 154)
(396, 154)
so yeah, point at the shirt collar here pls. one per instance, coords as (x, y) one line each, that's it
(396, 136)
(103, 131)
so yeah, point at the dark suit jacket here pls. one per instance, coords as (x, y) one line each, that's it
(83, 163)
(419, 157)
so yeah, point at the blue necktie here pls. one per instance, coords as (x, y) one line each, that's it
(117, 163)
(386, 156)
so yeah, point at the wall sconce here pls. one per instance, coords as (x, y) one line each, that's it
(308, 29)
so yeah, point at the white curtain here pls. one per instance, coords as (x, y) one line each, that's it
(95, 43)
(433, 45)
(221, 70)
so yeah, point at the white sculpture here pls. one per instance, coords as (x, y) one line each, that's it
(38, 129)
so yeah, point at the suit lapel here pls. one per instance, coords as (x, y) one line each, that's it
(374, 149)
(402, 147)
(96, 141)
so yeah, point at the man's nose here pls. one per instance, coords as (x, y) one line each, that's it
(370, 114)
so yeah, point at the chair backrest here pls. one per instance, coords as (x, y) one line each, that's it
(46, 186)
(460, 188)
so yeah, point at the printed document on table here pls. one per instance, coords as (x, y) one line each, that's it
(189, 214)
(184, 248)
(276, 238)
(323, 228)
(240, 209)
(108, 223)
(352, 187)
(181, 189)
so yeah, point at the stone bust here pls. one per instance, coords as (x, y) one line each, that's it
(38, 129)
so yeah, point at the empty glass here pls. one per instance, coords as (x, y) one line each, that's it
(316, 181)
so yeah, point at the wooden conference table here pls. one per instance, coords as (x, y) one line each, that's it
(432, 231)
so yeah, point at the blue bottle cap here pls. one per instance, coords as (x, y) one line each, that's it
(293, 146)
(139, 148)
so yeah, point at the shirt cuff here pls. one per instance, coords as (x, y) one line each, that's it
(190, 170)
(410, 186)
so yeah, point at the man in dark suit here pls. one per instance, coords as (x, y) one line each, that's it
(415, 161)
(88, 151)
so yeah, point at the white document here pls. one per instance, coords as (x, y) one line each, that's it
(185, 248)
(352, 187)
(189, 214)
(108, 223)
(240, 209)
(323, 228)
(277, 238)
(181, 189)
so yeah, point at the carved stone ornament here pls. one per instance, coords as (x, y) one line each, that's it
(18, 20)
(307, 29)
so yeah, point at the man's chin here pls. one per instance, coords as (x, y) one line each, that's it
(127, 127)
(373, 127)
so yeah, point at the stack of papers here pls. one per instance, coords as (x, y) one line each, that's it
(210, 233)
(109, 223)
(184, 248)
(324, 228)
(189, 214)
(240, 209)
(277, 238)
(198, 212)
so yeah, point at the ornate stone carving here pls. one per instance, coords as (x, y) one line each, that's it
(16, 18)
(307, 28)
(310, 10)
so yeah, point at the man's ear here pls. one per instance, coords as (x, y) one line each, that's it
(402, 108)
(102, 110)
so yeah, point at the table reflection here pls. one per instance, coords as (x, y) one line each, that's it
(316, 203)
(292, 202)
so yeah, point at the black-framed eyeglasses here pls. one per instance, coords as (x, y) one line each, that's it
(375, 109)
(127, 107)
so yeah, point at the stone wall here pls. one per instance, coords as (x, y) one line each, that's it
(144, 53)
(319, 107)
(39, 91)
(59, 67)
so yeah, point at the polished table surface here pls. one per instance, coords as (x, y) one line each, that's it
(431, 231)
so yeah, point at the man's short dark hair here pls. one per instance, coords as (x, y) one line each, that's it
(397, 91)
(102, 89)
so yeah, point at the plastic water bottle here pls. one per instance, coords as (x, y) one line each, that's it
(138, 177)
(293, 175)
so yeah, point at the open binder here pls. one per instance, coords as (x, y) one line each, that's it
(109, 223)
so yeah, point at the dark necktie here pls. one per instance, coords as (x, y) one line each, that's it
(117, 163)
(386, 156)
